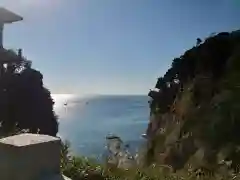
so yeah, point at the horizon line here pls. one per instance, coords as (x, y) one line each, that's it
(110, 94)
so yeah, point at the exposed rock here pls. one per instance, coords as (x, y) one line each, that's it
(119, 155)
(195, 112)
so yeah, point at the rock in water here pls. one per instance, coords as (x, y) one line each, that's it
(119, 154)
(114, 144)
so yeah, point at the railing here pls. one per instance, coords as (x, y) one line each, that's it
(30, 157)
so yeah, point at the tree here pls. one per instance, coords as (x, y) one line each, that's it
(24, 102)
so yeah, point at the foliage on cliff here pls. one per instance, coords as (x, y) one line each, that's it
(196, 110)
(78, 168)
(24, 102)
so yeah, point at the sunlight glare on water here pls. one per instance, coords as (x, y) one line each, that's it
(60, 100)
(86, 120)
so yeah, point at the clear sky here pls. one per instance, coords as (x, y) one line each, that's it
(112, 46)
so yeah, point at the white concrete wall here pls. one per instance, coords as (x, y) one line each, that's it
(30, 157)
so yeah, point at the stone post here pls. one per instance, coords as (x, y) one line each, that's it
(30, 157)
(1, 35)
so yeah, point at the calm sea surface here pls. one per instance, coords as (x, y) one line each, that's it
(85, 122)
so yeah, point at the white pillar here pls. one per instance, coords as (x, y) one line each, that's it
(1, 34)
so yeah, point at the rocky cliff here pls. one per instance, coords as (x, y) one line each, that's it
(195, 111)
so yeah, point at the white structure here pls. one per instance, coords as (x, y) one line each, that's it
(7, 17)
(30, 157)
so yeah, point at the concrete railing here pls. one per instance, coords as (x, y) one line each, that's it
(30, 157)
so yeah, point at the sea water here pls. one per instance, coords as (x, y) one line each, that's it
(86, 121)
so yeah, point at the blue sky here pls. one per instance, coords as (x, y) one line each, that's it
(112, 46)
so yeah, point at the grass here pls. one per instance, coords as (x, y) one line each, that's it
(82, 168)
(78, 168)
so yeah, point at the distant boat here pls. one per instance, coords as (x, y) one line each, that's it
(144, 136)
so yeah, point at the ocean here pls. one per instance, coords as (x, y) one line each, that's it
(86, 121)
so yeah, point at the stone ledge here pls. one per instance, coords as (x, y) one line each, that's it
(29, 157)
(27, 139)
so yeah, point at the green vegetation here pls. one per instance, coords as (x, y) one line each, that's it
(25, 104)
(198, 105)
(79, 168)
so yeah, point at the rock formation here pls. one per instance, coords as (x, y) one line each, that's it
(195, 112)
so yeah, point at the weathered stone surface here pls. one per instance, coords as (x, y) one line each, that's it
(29, 156)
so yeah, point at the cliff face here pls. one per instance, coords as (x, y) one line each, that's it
(195, 115)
